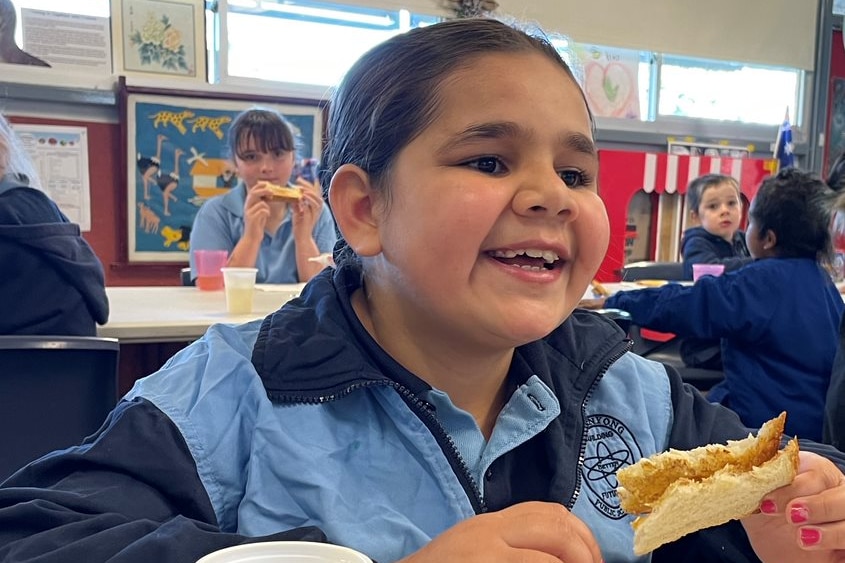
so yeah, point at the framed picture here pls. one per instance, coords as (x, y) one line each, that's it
(176, 159)
(162, 38)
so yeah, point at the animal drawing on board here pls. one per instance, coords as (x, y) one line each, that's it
(174, 118)
(9, 50)
(169, 182)
(149, 221)
(150, 166)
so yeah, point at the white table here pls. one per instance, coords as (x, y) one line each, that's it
(179, 314)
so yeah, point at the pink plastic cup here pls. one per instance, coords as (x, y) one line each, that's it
(208, 264)
(699, 270)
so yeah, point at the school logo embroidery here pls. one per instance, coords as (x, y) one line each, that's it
(610, 445)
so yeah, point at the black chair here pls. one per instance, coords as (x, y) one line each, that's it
(669, 352)
(54, 391)
(185, 277)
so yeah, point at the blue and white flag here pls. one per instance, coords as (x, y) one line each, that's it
(783, 145)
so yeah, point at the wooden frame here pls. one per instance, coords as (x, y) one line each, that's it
(160, 38)
(163, 128)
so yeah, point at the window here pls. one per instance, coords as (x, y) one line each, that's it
(688, 87)
(727, 91)
(302, 42)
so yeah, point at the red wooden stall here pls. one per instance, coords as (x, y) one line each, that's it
(623, 173)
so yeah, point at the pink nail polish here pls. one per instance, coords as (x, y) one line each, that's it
(810, 536)
(768, 507)
(798, 514)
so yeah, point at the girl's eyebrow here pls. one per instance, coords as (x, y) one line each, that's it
(579, 142)
(496, 130)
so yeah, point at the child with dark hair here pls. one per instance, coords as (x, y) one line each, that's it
(777, 317)
(715, 201)
(435, 398)
(279, 237)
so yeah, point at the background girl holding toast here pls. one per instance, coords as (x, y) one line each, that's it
(277, 236)
(437, 397)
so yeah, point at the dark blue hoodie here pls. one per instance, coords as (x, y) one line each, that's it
(700, 247)
(51, 280)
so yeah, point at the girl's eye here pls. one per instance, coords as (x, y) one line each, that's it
(574, 178)
(488, 165)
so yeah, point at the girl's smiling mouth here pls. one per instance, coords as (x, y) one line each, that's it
(528, 258)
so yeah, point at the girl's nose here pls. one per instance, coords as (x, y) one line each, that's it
(545, 195)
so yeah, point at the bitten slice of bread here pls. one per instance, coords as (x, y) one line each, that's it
(679, 492)
(286, 192)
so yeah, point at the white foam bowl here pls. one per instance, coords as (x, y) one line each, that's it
(286, 552)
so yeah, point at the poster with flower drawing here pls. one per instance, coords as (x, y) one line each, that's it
(162, 37)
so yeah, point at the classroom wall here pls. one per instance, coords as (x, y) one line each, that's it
(108, 232)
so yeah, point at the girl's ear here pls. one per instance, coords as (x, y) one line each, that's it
(352, 202)
(769, 240)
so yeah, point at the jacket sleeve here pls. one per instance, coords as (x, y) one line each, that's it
(130, 493)
(697, 422)
(210, 231)
(715, 307)
(833, 430)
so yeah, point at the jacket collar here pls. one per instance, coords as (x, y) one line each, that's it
(314, 348)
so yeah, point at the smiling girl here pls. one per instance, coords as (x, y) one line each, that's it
(437, 397)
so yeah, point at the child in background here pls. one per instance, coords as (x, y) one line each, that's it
(777, 317)
(52, 282)
(435, 398)
(714, 200)
(277, 237)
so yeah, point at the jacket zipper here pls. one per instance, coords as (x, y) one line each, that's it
(583, 447)
(421, 407)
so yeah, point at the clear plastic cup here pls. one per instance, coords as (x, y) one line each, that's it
(286, 552)
(699, 270)
(240, 288)
(208, 265)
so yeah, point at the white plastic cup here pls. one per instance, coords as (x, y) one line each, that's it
(699, 270)
(240, 287)
(286, 552)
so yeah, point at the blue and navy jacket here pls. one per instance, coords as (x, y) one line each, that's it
(301, 427)
(778, 319)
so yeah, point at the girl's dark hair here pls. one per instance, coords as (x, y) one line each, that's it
(797, 206)
(392, 93)
(266, 127)
(696, 188)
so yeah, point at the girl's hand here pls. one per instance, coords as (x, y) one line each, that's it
(804, 521)
(256, 210)
(529, 532)
(307, 211)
